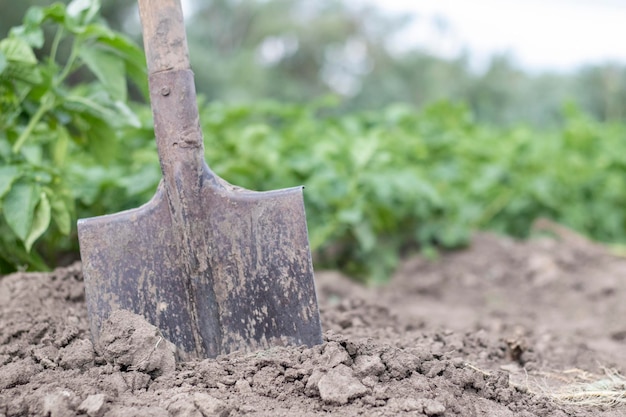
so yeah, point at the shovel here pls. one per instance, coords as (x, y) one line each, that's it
(215, 267)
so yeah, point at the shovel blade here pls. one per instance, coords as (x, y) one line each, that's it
(242, 279)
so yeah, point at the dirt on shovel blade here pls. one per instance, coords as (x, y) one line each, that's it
(504, 328)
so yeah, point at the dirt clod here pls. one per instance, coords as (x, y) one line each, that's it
(129, 341)
(17, 373)
(59, 404)
(77, 354)
(365, 365)
(339, 386)
(93, 405)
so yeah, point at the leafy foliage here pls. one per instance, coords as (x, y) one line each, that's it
(382, 183)
(379, 184)
(55, 135)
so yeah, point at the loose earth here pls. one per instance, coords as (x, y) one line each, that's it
(502, 328)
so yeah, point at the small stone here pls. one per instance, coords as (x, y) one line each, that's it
(78, 354)
(197, 405)
(114, 383)
(334, 354)
(370, 381)
(136, 380)
(339, 386)
(181, 405)
(58, 404)
(93, 405)
(381, 392)
(406, 404)
(311, 388)
(211, 406)
(243, 386)
(366, 365)
(399, 364)
(433, 408)
(46, 356)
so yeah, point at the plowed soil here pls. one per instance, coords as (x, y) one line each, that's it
(503, 328)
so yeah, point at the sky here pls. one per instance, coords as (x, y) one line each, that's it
(555, 35)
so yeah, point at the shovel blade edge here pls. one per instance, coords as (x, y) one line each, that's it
(239, 277)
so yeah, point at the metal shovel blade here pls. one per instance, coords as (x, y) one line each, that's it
(215, 267)
(251, 286)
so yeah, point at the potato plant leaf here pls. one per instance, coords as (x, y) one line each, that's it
(3, 62)
(17, 50)
(33, 35)
(19, 206)
(108, 67)
(60, 145)
(61, 214)
(8, 174)
(81, 12)
(21, 63)
(40, 223)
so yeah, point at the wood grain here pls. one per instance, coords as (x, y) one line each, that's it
(164, 36)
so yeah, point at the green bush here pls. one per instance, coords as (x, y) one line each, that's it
(380, 184)
(63, 145)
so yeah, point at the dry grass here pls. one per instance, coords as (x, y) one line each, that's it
(574, 387)
(608, 390)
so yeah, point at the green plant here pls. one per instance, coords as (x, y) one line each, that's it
(379, 184)
(55, 131)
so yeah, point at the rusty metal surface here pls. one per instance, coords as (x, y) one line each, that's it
(216, 267)
(252, 286)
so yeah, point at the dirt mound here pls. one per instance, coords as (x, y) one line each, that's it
(496, 330)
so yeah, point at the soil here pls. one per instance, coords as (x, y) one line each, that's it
(502, 328)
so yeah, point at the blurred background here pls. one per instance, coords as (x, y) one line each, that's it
(412, 123)
(512, 61)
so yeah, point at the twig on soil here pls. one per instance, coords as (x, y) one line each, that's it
(473, 368)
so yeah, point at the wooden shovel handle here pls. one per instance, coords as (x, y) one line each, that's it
(172, 97)
(164, 36)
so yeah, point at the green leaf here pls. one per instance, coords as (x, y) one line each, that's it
(61, 214)
(5, 147)
(34, 16)
(365, 236)
(33, 35)
(8, 175)
(81, 12)
(60, 146)
(99, 32)
(32, 153)
(3, 62)
(18, 50)
(136, 69)
(133, 56)
(21, 71)
(88, 106)
(41, 221)
(21, 61)
(102, 141)
(128, 115)
(108, 67)
(19, 206)
(99, 106)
